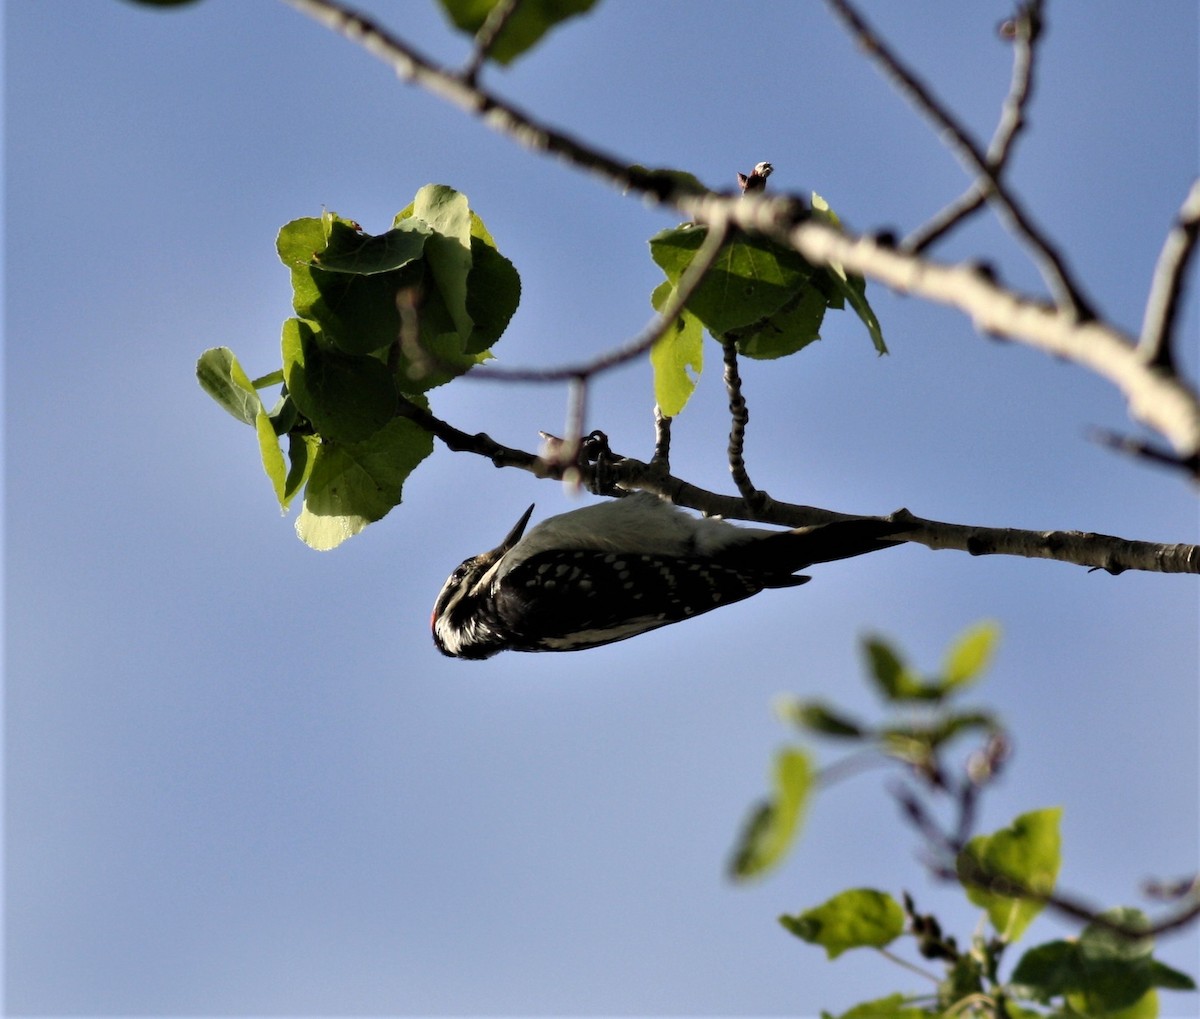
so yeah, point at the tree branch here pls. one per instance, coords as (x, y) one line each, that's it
(1024, 29)
(739, 417)
(487, 35)
(1158, 399)
(1156, 346)
(689, 281)
(1082, 548)
(1066, 292)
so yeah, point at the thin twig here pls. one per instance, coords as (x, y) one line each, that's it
(739, 417)
(689, 281)
(1166, 287)
(1065, 291)
(1026, 30)
(485, 38)
(967, 871)
(662, 440)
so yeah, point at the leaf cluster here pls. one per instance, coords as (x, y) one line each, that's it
(380, 320)
(1010, 873)
(759, 295)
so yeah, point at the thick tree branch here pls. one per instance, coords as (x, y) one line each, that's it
(1158, 399)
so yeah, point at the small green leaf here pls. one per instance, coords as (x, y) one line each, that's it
(346, 398)
(1162, 975)
(529, 22)
(750, 280)
(791, 328)
(272, 456)
(1028, 853)
(773, 826)
(360, 254)
(220, 375)
(1145, 1007)
(819, 718)
(894, 1006)
(858, 918)
(894, 679)
(681, 348)
(448, 250)
(493, 290)
(853, 288)
(302, 451)
(352, 485)
(970, 654)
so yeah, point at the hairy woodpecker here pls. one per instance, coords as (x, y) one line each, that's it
(611, 571)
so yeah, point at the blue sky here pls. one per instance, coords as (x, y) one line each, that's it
(240, 780)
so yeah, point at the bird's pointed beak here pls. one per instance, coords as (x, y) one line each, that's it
(518, 529)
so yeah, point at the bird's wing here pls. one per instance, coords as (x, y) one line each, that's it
(587, 598)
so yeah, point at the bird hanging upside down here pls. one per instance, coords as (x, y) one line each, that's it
(611, 571)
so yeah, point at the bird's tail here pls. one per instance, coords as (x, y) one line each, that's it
(781, 555)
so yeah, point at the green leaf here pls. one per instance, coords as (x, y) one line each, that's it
(852, 288)
(858, 918)
(970, 654)
(681, 348)
(448, 250)
(773, 826)
(1103, 973)
(360, 254)
(894, 1006)
(356, 313)
(894, 679)
(346, 398)
(352, 485)
(302, 451)
(1027, 852)
(531, 20)
(793, 327)
(456, 331)
(819, 718)
(1162, 975)
(272, 455)
(493, 290)
(750, 280)
(220, 375)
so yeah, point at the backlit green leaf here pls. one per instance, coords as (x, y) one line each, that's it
(220, 375)
(352, 485)
(773, 826)
(680, 349)
(1027, 853)
(852, 288)
(970, 654)
(346, 398)
(531, 20)
(858, 918)
(751, 278)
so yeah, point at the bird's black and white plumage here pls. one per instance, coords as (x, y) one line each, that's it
(611, 571)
